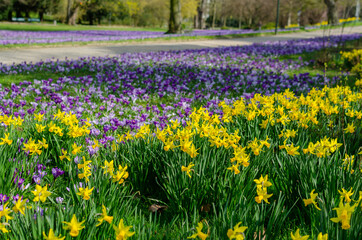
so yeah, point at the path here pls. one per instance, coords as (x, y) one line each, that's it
(9, 56)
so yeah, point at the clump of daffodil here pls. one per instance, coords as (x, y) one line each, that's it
(121, 175)
(262, 185)
(296, 236)
(344, 213)
(199, 232)
(86, 170)
(32, 147)
(41, 193)
(237, 233)
(74, 226)
(123, 232)
(287, 133)
(51, 236)
(348, 162)
(187, 169)
(312, 199)
(322, 148)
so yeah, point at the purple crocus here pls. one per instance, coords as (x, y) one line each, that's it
(57, 172)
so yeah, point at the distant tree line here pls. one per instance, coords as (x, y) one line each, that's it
(181, 14)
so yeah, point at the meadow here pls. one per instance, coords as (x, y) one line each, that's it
(11, 38)
(254, 142)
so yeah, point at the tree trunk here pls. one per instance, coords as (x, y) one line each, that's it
(90, 18)
(69, 6)
(10, 16)
(289, 22)
(199, 15)
(358, 9)
(174, 25)
(214, 15)
(41, 15)
(73, 16)
(332, 11)
(196, 23)
(202, 11)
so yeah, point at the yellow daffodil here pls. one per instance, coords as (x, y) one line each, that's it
(121, 174)
(312, 200)
(96, 144)
(5, 212)
(187, 169)
(85, 192)
(86, 170)
(74, 226)
(262, 195)
(344, 212)
(234, 168)
(20, 206)
(346, 195)
(291, 150)
(43, 143)
(322, 237)
(108, 167)
(51, 236)
(199, 232)
(237, 233)
(6, 140)
(3, 227)
(76, 149)
(38, 117)
(39, 128)
(41, 193)
(263, 181)
(350, 128)
(297, 236)
(123, 232)
(104, 217)
(64, 152)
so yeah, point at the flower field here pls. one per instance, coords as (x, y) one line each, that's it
(8, 37)
(220, 143)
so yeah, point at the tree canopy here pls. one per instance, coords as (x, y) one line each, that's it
(191, 13)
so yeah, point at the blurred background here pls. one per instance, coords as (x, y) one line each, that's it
(189, 14)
